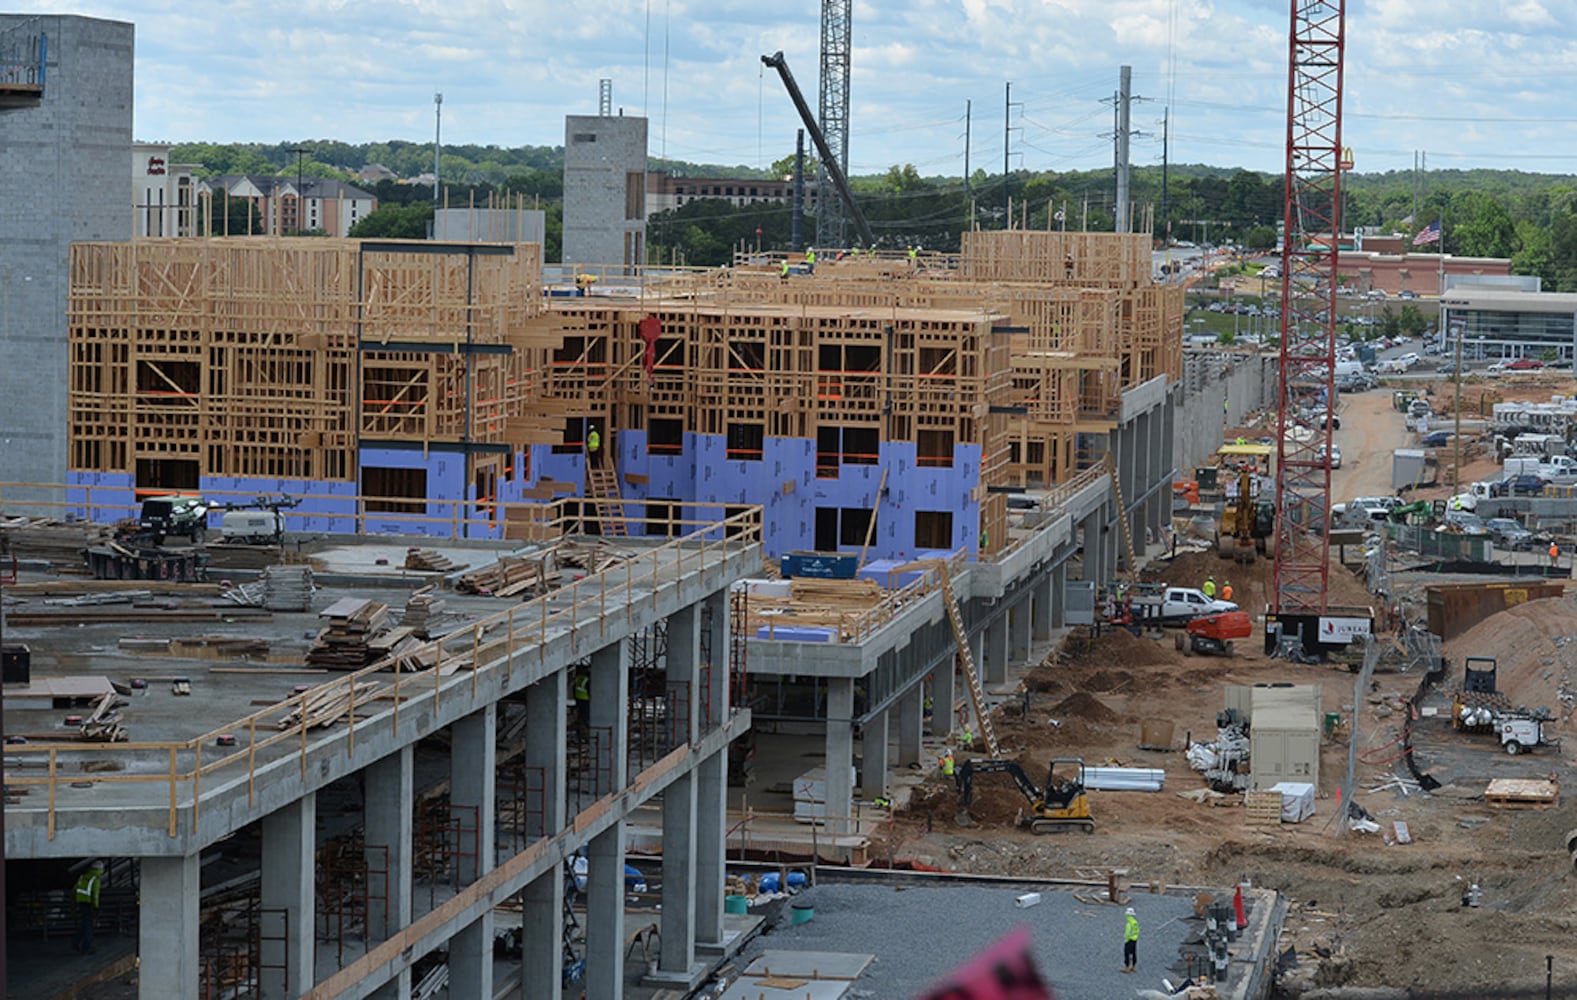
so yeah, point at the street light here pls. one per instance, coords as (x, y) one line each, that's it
(1457, 327)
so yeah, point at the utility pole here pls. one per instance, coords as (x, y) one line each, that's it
(438, 133)
(1007, 139)
(1166, 139)
(1124, 98)
(968, 121)
(799, 189)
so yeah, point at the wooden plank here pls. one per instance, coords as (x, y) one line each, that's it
(1262, 808)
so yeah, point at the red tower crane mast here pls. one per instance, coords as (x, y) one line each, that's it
(1311, 232)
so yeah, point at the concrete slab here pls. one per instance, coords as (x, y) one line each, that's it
(752, 989)
(809, 964)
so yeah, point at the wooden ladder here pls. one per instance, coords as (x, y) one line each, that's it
(977, 694)
(1122, 517)
(602, 490)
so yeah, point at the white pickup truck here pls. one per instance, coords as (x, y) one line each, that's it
(1177, 606)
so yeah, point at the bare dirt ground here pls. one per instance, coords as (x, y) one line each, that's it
(1364, 911)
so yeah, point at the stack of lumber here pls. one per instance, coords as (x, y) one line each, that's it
(421, 610)
(509, 576)
(342, 644)
(429, 561)
(44, 618)
(401, 649)
(329, 704)
(834, 595)
(593, 557)
(287, 588)
(199, 647)
(105, 724)
(59, 542)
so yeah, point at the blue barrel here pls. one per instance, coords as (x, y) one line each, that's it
(735, 904)
(801, 912)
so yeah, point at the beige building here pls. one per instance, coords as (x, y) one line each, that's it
(163, 194)
(319, 204)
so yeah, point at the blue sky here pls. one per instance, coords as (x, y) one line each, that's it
(1473, 83)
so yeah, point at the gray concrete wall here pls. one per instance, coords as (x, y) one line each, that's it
(63, 164)
(1246, 382)
(599, 155)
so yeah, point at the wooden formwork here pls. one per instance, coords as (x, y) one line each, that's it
(1078, 259)
(248, 357)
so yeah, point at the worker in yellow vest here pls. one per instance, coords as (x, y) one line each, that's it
(946, 761)
(87, 897)
(1131, 942)
(593, 445)
(1210, 587)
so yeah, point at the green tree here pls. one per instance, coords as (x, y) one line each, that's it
(1260, 238)
(1412, 322)
(1485, 228)
(395, 222)
(1390, 323)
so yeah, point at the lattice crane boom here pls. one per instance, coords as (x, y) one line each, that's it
(1311, 234)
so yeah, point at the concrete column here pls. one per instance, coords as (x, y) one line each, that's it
(289, 883)
(873, 756)
(684, 676)
(541, 933)
(472, 759)
(996, 668)
(840, 753)
(609, 711)
(911, 718)
(389, 796)
(605, 910)
(542, 900)
(1018, 629)
(711, 827)
(398, 988)
(941, 691)
(1041, 620)
(1059, 594)
(543, 759)
(167, 928)
(471, 959)
(676, 964)
(715, 707)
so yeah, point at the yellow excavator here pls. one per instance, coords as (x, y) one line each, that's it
(1245, 523)
(1062, 805)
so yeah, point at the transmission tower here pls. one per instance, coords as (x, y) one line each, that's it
(833, 115)
(1311, 233)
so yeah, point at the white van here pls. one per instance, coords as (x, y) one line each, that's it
(1409, 359)
(1345, 368)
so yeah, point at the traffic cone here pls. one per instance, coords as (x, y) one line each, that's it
(1237, 907)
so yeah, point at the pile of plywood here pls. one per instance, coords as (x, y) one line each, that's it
(329, 704)
(509, 576)
(834, 595)
(422, 608)
(593, 557)
(343, 644)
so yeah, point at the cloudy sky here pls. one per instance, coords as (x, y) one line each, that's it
(1470, 82)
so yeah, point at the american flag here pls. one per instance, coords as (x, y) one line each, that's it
(1428, 234)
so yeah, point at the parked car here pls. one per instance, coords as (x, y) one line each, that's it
(1436, 439)
(1524, 365)
(1409, 295)
(1449, 368)
(1336, 455)
(1508, 534)
(1463, 522)
(1526, 485)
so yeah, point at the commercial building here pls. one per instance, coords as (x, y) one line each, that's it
(1502, 324)
(65, 113)
(665, 192)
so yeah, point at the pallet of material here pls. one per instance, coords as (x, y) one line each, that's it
(44, 538)
(1263, 808)
(841, 595)
(429, 561)
(593, 557)
(343, 642)
(1511, 793)
(422, 609)
(287, 588)
(508, 576)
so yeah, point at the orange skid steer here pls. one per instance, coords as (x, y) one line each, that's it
(1213, 634)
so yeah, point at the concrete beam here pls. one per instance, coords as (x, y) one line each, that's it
(471, 959)
(684, 675)
(996, 665)
(943, 689)
(1042, 616)
(541, 936)
(605, 913)
(910, 721)
(547, 733)
(1019, 628)
(289, 899)
(167, 939)
(609, 711)
(676, 965)
(715, 705)
(711, 827)
(873, 756)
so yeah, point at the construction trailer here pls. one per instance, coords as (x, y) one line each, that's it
(1284, 731)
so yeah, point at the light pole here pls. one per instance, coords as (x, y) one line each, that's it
(1457, 326)
(438, 132)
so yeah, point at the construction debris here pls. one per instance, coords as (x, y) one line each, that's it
(287, 588)
(104, 725)
(429, 561)
(327, 706)
(58, 542)
(422, 610)
(344, 642)
(509, 576)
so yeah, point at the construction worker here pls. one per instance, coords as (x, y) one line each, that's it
(1555, 556)
(968, 739)
(946, 762)
(1226, 591)
(927, 708)
(882, 801)
(1131, 942)
(87, 897)
(1210, 586)
(582, 699)
(912, 256)
(593, 444)
(810, 261)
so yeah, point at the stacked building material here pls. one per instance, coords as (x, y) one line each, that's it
(59, 542)
(329, 705)
(105, 724)
(509, 576)
(421, 610)
(287, 588)
(342, 644)
(429, 561)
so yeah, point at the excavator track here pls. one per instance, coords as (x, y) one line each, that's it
(1045, 826)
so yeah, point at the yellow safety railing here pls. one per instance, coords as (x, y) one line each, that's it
(181, 764)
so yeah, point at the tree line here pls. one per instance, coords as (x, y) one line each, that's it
(1529, 218)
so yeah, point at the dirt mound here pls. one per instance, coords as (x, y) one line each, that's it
(1114, 647)
(1106, 680)
(1081, 705)
(1535, 645)
(1043, 682)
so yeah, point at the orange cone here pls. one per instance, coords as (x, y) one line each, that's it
(1237, 907)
